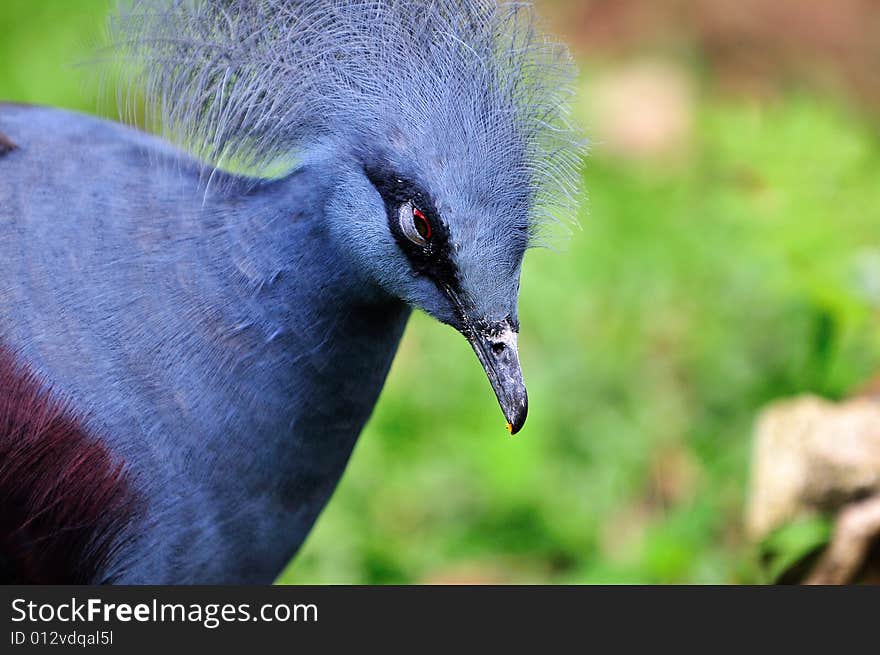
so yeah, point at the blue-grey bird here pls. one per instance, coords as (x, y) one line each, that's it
(194, 328)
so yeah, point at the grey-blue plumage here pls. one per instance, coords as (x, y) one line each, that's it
(228, 334)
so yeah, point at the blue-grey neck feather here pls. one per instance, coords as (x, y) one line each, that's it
(222, 346)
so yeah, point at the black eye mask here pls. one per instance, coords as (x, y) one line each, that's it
(426, 242)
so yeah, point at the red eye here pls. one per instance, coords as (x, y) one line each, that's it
(414, 225)
(423, 227)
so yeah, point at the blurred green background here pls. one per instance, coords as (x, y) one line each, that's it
(728, 255)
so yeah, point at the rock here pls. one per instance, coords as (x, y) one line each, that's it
(811, 456)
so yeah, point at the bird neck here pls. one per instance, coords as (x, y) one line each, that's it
(286, 348)
(272, 350)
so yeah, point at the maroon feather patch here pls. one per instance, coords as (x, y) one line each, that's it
(64, 500)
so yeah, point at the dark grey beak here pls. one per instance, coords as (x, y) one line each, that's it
(495, 345)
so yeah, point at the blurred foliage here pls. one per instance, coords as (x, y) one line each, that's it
(757, 47)
(44, 49)
(697, 289)
(789, 552)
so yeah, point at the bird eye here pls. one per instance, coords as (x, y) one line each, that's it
(414, 225)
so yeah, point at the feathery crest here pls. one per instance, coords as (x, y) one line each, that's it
(469, 83)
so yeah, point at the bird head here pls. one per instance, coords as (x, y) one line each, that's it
(442, 127)
(440, 248)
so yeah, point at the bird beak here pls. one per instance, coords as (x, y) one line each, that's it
(495, 346)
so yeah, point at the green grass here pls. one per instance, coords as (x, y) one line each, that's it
(693, 295)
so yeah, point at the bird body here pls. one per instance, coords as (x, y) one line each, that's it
(216, 356)
(219, 339)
